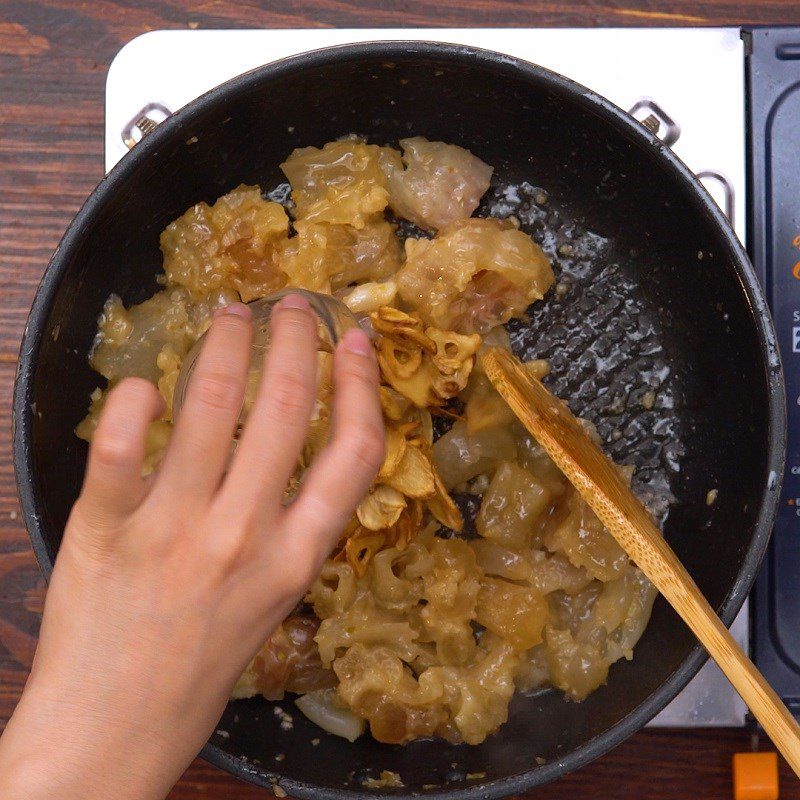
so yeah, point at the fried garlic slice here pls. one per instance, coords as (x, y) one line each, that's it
(442, 506)
(396, 443)
(414, 475)
(426, 365)
(381, 507)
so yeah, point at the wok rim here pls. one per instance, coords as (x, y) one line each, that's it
(608, 114)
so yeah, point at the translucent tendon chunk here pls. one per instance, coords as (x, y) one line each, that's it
(441, 183)
(577, 668)
(623, 609)
(149, 340)
(450, 594)
(476, 274)
(532, 456)
(592, 629)
(582, 538)
(533, 671)
(615, 599)
(342, 183)
(512, 504)
(485, 408)
(129, 341)
(573, 612)
(497, 337)
(230, 245)
(551, 573)
(376, 684)
(324, 257)
(287, 662)
(478, 695)
(515, 613)
(459, 457)
(503, 562)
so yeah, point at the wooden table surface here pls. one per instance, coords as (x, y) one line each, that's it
(53, 60)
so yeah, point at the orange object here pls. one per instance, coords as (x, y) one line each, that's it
(755, 776)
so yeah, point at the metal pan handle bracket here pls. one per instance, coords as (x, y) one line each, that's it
(145, 121)
(649, 114)
(656, 120)
(716, 183)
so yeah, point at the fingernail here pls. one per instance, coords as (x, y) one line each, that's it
(296, 301)
(357, 342)
(235, 309)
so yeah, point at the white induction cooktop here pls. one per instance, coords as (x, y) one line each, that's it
(690, 80)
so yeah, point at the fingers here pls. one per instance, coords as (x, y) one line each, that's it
(343, 472)
(200, 447)
(278, 422)
(113, 487)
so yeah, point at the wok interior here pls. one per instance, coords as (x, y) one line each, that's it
(693, 311)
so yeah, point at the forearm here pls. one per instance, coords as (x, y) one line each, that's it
(164, 589)
(113, 745)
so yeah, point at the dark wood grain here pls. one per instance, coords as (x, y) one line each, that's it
(53, 60)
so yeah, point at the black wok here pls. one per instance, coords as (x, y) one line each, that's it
(658, 332)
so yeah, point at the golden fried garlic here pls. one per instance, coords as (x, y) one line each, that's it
(393, 511)
(425, 364)
(410, 628)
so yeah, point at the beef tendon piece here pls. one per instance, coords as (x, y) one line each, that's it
(326, 258)
(476, 274)
(231, 245)
(441, 183)
(341, 183)
(287, 662)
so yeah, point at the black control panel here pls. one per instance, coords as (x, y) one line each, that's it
(773, 94)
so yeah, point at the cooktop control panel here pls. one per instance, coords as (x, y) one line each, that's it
(772, 57)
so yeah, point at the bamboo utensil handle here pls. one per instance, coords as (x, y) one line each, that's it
(600, 484)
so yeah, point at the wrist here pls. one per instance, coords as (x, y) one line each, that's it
(80, 747)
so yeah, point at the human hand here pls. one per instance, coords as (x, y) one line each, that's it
(164, 589)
